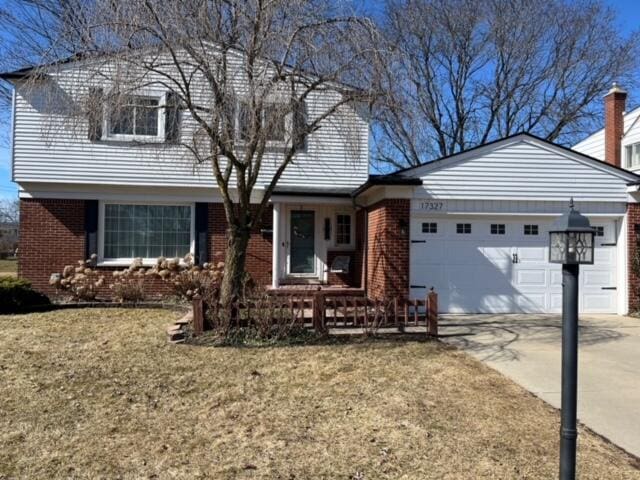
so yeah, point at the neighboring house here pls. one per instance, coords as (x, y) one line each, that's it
(473, 225)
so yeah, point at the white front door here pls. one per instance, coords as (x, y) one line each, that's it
(500, 265)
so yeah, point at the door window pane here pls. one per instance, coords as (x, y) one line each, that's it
(302, 242)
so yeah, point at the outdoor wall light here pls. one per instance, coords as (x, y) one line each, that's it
(571, 239)
(571, 244)
(403, 226)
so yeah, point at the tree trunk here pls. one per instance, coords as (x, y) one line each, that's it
(234, 264)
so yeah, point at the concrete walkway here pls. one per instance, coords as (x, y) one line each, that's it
(526, 348)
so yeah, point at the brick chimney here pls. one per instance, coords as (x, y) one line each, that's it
(614, 105)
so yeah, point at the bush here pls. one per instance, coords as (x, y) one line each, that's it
(16, 295)
(128, 284)
(82, 281)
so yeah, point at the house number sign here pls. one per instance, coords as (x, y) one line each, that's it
(431, 206)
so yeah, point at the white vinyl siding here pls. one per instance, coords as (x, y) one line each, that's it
(593, 145)
(521, 170)
(48, 148)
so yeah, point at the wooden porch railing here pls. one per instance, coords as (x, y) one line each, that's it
(323, 311)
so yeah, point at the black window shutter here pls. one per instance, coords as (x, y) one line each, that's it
(95, 114)
(202, 221)
(172, 118)
(91, 227)
(298, 136)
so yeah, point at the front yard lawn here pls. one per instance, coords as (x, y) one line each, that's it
(100, 394)
(8, 267)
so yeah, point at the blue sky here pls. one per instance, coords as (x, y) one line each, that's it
(629, 20)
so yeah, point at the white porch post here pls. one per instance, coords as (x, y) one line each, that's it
(275, 276)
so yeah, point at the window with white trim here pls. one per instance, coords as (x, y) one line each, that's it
(136, 117)
(146, 231)
(599, 231)
(531, 230)
(632, 155)
(343, 229)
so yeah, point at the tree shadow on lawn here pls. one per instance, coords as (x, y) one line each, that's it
(310, 339)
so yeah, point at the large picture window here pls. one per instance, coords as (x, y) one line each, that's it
(146, 231)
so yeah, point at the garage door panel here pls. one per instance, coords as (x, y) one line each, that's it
(598, 302)
(536, 277)
(532, 254)
(531, 303)
(428, 253)
(604, 256)
(556, 278)
(597, 278)
(476, 273)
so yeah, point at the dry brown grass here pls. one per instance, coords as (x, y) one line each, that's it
(8, 268)
(100, 394)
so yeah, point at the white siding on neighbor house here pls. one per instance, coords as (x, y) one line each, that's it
(521, 169)
(593, 145)
(49, 148)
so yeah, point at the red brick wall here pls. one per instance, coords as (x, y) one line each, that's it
(614, 105)
(633, 244)
(52, 235)
(388, 248)
(260, 251)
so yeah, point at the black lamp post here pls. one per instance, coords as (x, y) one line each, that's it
(571, 244)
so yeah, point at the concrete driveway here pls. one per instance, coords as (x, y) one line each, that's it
(526, 348)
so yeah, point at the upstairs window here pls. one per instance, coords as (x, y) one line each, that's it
(273, 120)
(632, 155)
(135, 117)
(343, 229)
(531, 229)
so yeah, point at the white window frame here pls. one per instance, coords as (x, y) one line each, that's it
(632, 151)
(125, 262)
(160, 137)
(351, 233)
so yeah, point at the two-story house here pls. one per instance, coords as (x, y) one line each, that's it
(473, 225)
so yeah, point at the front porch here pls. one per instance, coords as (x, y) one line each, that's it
(318, 244)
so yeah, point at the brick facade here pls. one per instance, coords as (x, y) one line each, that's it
(614, 106)
(52, 235)
(260, 251)
(633, 245)
(388, 248)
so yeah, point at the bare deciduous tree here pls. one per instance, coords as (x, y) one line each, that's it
(460, 73)
(242, 73)
(9, 217)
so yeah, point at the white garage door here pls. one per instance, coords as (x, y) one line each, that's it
(500, 265)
